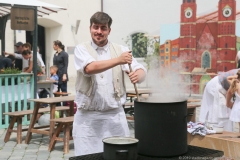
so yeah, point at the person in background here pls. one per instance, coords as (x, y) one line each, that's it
(27, 66)
(18, 62)
(235, 89)
(100, 87)
(54, 77)
(7, 62)
(39, 57)
(60, 59)
(214, 106)
(237, 59)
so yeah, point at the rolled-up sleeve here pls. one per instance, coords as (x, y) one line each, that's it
(18, 56)
(82, 58)
(135, 65)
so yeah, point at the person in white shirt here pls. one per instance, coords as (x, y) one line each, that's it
(100, 66)
(27, 64)
(237, 59)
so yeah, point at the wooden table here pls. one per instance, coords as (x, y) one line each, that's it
(228, 142)
(131, 93)
(48, 85)
(52, 101)
(140, 91)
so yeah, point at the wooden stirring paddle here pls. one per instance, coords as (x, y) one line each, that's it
(135, 87)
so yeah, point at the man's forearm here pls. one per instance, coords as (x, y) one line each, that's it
(141, 75)
(228, 99)
(101, 66)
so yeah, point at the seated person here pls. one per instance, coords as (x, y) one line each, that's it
(54, 77)
(7, 62)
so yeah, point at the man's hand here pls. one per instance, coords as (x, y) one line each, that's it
(137, 76)
(230, 105)
(125, 58)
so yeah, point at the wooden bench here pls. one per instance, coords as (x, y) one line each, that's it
(58, 94)
(65, 124)
(17, 117)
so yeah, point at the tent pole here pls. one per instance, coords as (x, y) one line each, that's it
(35, 42)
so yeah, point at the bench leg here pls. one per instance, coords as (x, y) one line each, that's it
(9, 130)
(55, 135)
(66, 138)
(31, 126)
(19, 130)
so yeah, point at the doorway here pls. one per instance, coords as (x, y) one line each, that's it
(41, 40)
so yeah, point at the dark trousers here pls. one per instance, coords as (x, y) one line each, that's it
(63, 88)
(43, 94)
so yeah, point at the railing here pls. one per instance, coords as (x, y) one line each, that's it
(15, 89)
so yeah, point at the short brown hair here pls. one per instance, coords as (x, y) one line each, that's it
(101, 18)
(27, 45)
(26, 52)
(54, 67)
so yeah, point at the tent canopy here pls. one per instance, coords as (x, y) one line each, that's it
(43, 8)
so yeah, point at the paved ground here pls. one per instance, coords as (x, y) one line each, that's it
(37, 149)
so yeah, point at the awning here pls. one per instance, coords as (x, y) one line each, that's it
(43, 8)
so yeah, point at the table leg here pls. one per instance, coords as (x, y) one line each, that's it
(71, 110)
(32, 122)
(52, 116)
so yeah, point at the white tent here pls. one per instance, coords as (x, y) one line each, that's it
(43, 8)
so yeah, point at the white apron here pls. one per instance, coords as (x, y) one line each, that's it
(213, 107)
(90, 127)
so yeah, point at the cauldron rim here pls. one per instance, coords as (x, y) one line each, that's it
(155, 102)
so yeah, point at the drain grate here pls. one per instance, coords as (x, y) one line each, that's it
(194, 153)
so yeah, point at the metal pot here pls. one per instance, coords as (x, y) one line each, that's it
(161, 128)
(120, 148)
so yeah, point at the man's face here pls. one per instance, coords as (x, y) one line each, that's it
(99, 33)
(26, 48)
(26, 56)
(19, 49)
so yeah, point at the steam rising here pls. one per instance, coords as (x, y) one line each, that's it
(166, 83)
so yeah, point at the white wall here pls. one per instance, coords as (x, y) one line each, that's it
(62, 26)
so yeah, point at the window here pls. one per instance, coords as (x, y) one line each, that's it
(226, 45)
(206, 60)
(166, 57)
(166, 49)
(187, 46)
(173, 49)
(189, 1)
(139, 45)
(166, 42)
(162, 57)
(225, 52)
(186, 67)
(173, 57)
(225, 68)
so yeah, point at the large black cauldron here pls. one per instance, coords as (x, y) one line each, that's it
(161, 128)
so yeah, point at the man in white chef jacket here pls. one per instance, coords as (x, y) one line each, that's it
(100, 65)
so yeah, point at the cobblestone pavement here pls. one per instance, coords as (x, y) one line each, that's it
(37, 149)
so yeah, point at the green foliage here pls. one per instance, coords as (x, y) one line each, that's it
(145, 47)
(10, 71)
